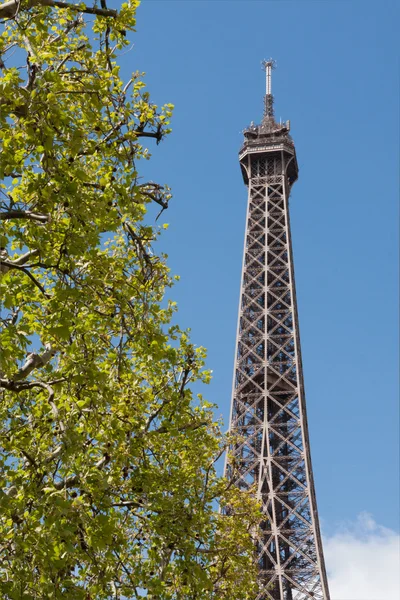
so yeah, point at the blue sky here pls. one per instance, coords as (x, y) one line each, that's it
(337, 82)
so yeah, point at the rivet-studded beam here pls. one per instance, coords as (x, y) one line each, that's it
(268, 407)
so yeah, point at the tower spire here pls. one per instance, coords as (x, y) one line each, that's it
(268, 66)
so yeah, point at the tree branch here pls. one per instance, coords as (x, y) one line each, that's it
(156, 199)
(187, 427)
(138, 241)
(34, 361)
(19, 386)
(23, 214)
(68, 28)
(10, 9)
(10, 265)
(21, 260)
(153, 134)
(67, 483)
(127, 504)
(14, 386)
(123, 138)
(29, 458)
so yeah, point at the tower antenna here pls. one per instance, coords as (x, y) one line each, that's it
(268, 66)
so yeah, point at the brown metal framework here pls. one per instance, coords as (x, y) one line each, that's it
(268, 406)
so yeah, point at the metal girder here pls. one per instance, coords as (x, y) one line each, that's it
(272, 454)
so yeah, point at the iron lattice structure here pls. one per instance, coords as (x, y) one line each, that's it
(268, 409)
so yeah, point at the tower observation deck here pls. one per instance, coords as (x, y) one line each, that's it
(268, 409)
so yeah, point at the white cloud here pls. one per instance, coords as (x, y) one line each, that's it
(363, 561)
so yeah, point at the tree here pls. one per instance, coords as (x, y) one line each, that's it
(108, 482)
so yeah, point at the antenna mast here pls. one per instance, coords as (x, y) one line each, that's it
(268, 65)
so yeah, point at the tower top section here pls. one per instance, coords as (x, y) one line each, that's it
(269, 137)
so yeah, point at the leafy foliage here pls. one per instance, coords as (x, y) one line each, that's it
(108, 487)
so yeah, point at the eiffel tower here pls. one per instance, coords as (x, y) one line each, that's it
(272, 452)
